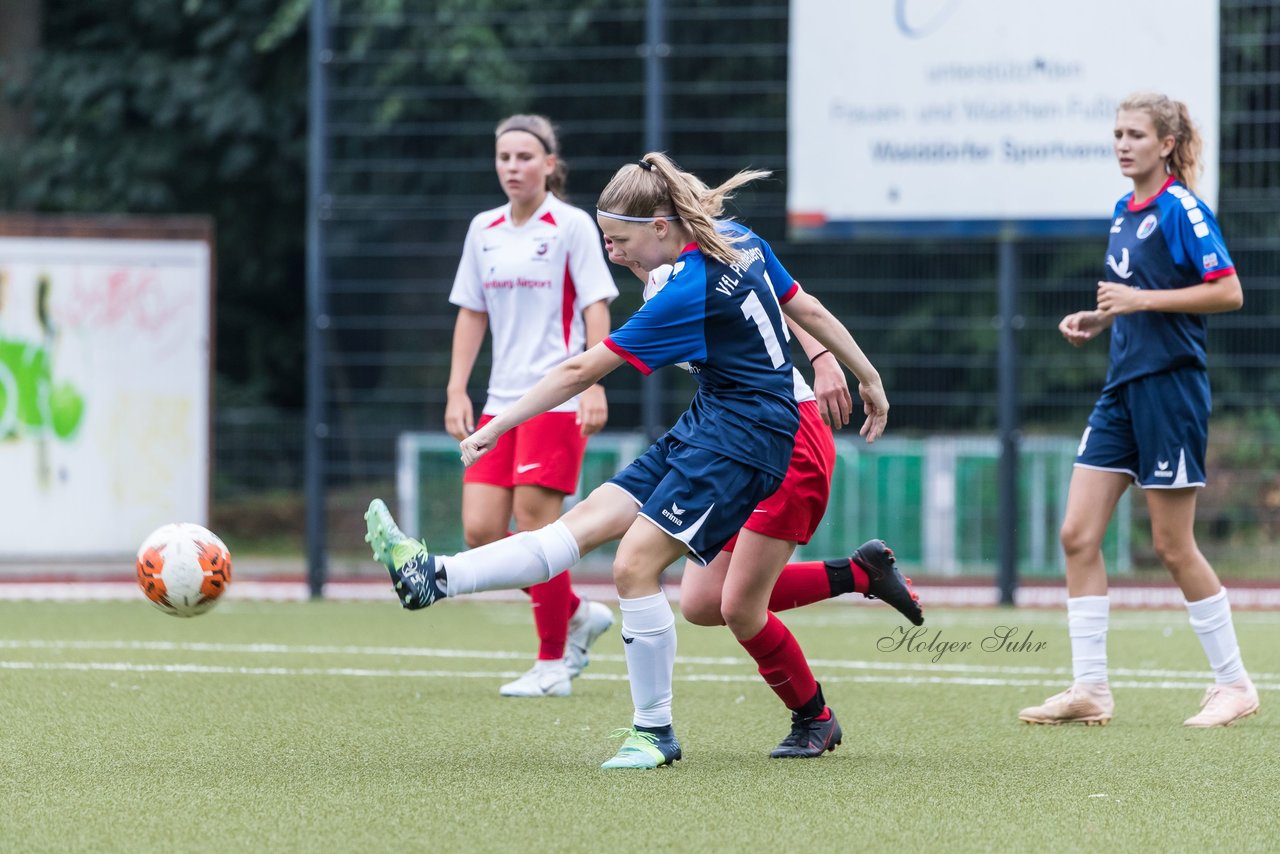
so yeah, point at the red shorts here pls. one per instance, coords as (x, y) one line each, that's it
(546, 450)
(795, 510)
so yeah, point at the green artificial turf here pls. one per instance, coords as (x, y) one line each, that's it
(358, 727)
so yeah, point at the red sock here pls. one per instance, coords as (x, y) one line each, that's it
(803, 584)
(551, 615)
(800, 584)
(782, 663)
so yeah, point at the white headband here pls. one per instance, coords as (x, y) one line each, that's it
(626, 218)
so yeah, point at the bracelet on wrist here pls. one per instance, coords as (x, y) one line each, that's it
(816, 356)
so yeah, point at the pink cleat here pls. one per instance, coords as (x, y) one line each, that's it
(1085, 703)
(1223, 705)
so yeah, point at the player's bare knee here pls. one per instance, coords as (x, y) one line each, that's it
(1078, 541)
(481, 535)
(740, 617)
(1177, 553)
(701, 612)
(633, 576)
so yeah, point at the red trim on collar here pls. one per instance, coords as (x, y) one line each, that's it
(1137, 207)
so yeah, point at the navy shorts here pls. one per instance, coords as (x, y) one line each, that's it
(699, 497)
(1154, 429)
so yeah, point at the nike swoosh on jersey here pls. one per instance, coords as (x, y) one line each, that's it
(525, 468)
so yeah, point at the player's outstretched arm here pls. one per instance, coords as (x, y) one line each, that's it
(570, 377)
(814, 318)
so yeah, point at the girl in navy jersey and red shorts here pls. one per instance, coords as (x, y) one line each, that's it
(533, 276)
(747, 583)
(1167, 266)
(695, 487)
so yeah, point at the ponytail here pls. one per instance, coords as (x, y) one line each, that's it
(656, 186)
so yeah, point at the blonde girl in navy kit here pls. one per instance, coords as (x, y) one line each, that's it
(1167, 267)
(694, 487)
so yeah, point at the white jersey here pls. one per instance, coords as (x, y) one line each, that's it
(533, 281)
(658, 280)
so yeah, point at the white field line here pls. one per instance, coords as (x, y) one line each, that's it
(354, 672)
(249, 590)
(878, 671)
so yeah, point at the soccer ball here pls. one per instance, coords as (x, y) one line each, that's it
(183, 569)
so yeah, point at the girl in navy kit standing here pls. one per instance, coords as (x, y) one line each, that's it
(696, 486)
(1167, 267)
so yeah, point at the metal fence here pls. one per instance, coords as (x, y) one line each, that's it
(405, 107)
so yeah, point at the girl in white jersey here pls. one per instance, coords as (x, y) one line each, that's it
(1168, 267)
(532, 275)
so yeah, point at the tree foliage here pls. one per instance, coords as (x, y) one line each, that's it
(179, 107)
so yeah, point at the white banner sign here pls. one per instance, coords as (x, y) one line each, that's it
(104, 393)
(991, 110)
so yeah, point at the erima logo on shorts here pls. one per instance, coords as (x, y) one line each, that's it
(1162, 469)
(674, 513)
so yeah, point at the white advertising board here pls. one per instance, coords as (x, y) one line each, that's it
(104, 392)
(905, 112)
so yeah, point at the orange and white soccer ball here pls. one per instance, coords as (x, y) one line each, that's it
(183, 569)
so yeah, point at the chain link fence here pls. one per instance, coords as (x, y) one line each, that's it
(415, 87)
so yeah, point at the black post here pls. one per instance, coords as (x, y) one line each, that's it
(655, 51)
(317, 428)
(1007, 381)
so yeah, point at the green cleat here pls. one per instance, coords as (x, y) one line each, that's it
(645, 747)
(412, 569)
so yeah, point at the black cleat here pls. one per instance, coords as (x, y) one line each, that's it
(809, 737)
(886, 582)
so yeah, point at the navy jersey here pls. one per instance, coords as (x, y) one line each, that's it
(1170, 241)
(725, 320)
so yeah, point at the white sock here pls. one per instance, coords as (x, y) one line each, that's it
(1087, 626)
(1211, 618)
(649, 641)
(521, 560)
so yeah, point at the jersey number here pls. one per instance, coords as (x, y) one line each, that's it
(754, 311)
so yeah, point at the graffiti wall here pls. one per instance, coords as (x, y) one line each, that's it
(104, 392)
